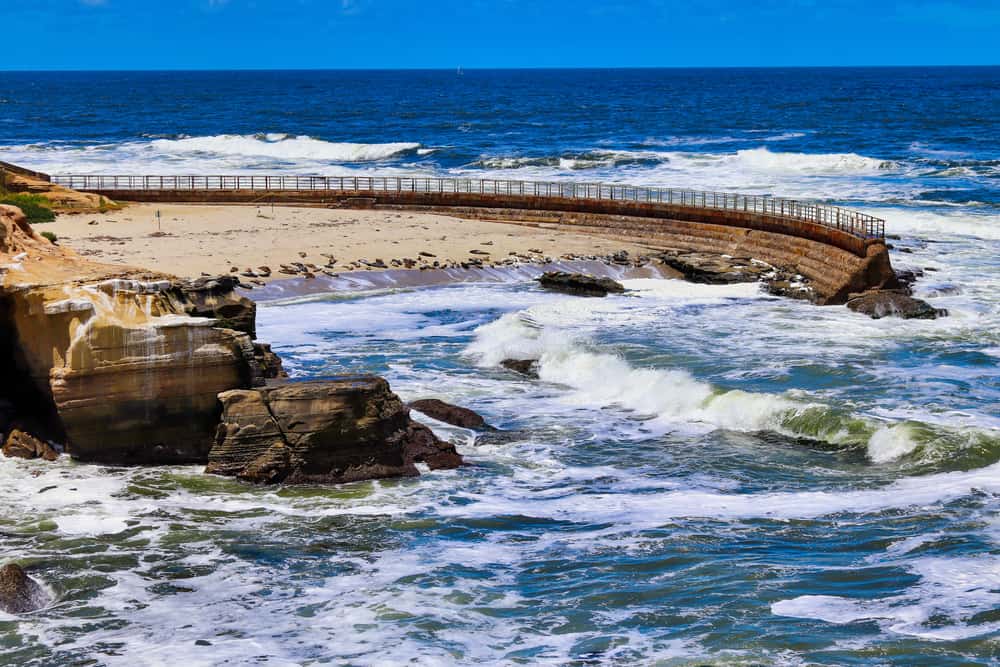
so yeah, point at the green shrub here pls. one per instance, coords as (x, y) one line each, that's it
(35, 207)
(51, 236)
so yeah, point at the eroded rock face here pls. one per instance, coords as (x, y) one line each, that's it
(269, 363)
(132, 378)
(450, 414)
(894, 303)
(217, 298)
(579, 284)
(325, 431)
(110, 360)
(19, 593)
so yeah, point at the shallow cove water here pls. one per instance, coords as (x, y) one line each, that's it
(693, 479)
(702, 475)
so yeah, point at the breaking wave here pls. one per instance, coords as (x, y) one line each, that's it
(284, 147)
(673, 399)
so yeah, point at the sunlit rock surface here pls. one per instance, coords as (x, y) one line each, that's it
(111, 359)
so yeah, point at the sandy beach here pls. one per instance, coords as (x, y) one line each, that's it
(191, 240)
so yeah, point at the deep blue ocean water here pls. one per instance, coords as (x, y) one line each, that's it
(703, 475)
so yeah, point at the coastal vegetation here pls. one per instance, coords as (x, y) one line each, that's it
(36, 207)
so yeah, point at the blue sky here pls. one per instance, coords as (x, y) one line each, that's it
(224, 34)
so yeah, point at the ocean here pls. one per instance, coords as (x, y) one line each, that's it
(702, 475)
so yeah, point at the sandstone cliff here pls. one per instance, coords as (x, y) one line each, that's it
(122, 365)
(60, 198)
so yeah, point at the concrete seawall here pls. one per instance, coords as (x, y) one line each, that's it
(836, 261)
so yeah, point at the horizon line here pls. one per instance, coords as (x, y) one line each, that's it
(488, 69)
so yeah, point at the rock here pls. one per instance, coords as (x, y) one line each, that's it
(449, 414)
(714, 269)
(422, 446)
(893, 303)
(424, 253)
(329, 431)
(579, 284)
(907, 277)
(268, 361)
(526, 367)
(19, 593)
(22, 445)
(216, 298)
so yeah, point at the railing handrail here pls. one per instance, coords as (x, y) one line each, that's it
(858, 224)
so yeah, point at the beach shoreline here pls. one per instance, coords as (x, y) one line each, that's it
(264, 244)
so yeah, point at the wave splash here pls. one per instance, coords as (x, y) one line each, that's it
(284, 147)
(673, 399)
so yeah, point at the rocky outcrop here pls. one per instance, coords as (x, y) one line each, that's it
(579, 284)
(268, 362)
(450, 414)
(19, 593)
(114, 361)
(216, 298)
(325, 431)
(894, 303)
(719, 269)
(715, 269)
(23, 445)
(526, 367)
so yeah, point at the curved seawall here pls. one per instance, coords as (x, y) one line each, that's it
(839, 251)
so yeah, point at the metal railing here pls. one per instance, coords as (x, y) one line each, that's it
(858, 224)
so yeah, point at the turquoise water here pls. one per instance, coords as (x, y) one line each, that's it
(702, 475)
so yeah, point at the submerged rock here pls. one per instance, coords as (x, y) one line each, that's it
(329, 431)
(22, 445)
(526, 367)
(894, 303)
(19, 593)
(450, 414)
(579, 284)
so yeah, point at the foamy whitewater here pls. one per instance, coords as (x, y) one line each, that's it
(701, 474)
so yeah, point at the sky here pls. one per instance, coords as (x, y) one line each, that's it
(332, 34)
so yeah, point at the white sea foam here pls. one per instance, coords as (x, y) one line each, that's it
(935, 223)
(889, 443)
(765, 160)
(224, 153)
(950, 589)
(284, 147)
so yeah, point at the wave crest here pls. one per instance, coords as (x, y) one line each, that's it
(283, 147)
(674, 398)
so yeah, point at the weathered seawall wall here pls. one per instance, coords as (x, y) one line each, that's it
(836, 262)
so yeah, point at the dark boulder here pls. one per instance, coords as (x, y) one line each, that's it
(450, 414)
(421, 446)
(526, 367)
(326, 431)
(579, 284)
(893, 303)
(19, 593)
